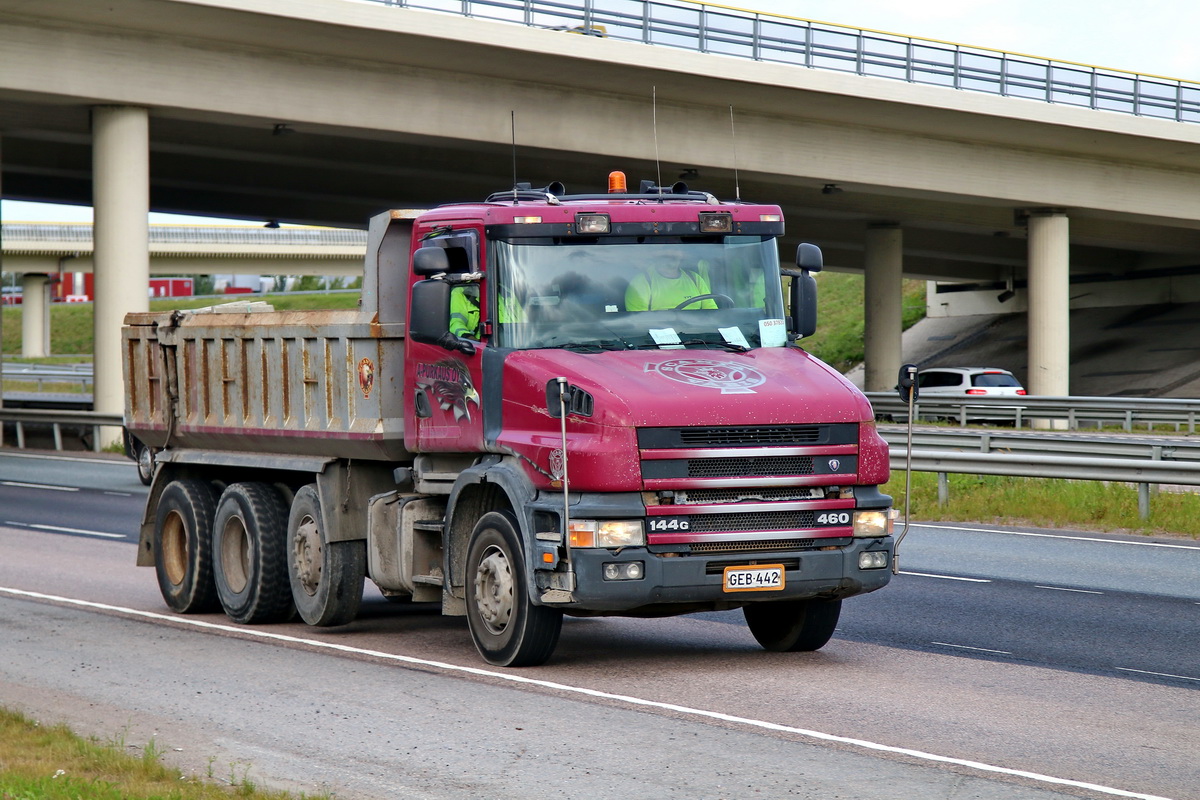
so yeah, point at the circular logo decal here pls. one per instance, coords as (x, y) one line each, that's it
(728, 376)
(366, 376)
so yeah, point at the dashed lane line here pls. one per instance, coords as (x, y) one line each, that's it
(58, 529)
(946, 577)
(1059, 536)
(579, 690)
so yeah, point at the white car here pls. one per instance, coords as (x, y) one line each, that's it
(968, 382)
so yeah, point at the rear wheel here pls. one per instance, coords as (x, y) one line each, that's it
(508, 630)
(326, 577)
(145, 463)
(183, 546)
(790, 626)
(250, 567)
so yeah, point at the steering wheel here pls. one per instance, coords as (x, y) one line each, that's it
(720, 298)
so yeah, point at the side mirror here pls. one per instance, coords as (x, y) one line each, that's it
(808, 257)
(906, 384)
(429, 320)
(430, 261)
(804, 304)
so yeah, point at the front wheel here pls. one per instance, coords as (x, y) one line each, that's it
(508, 630)
(791, 626)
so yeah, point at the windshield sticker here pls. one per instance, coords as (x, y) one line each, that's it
(666, 338)
(734, 335)
(450, 385)
(727, 376)
(772, 332)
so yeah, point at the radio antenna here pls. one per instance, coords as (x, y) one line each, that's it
(654, 121)
(737, 188)
(513, 126)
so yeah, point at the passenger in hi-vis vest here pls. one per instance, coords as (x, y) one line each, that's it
(666, 285)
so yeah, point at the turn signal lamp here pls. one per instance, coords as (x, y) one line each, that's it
(606, 533)
(616, 182)
(716, 223)
(591, 223)
(527, 220)
(770, 218)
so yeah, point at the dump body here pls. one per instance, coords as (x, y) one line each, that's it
(319, 383)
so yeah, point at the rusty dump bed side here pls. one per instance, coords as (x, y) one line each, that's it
(324, 383)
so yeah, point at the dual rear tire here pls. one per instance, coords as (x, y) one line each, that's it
(247, 553)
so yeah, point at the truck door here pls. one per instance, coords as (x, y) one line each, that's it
(447, 385)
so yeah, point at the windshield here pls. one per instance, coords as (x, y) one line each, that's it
(621, 293)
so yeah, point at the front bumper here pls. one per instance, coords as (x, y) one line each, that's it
(697, 579)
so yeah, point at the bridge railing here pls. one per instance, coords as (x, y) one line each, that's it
(724, 30)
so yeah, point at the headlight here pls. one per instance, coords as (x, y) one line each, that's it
(874, 523)
(607, 533)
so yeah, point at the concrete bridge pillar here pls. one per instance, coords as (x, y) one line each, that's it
(882, 296)
(121, 197)
(35, 315)
(1049, 301)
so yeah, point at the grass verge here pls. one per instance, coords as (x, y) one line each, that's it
(1048, 503)
(52, 763)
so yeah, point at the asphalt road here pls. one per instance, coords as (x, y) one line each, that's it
(1065, 656)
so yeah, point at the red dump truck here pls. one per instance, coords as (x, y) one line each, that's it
(547, 404)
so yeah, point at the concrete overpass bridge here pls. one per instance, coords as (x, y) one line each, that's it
(39, 250)
(327, 111)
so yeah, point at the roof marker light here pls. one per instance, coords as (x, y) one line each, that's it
(527, 220)
(591, 223)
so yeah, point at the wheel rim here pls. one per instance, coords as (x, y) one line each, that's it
(235, 555)
(494, 590)
(174, 548)
(308, 556)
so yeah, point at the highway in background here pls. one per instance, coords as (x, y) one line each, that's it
(1065, 655)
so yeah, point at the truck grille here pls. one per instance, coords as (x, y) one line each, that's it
(744, 436)
(748, 436)
(782, 494)
(754, 466)
(701, 548)
(737, 523)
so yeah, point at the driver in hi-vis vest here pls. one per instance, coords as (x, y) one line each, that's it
(667, 285)
(464, 311)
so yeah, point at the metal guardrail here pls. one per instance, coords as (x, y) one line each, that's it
(1142, 462)
(741, 33)
(1073, 413)
(41, 374)
(57, 420)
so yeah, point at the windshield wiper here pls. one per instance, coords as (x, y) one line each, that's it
(737, 348)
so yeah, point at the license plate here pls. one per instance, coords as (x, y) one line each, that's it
(759, 578)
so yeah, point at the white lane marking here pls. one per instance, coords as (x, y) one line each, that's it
(566, 688)
(78, 459)
(977, 649)
(20, 485)
(946, 577)
(1065, 589)
(57, 529)
(1159, 674)
(1058, 536)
